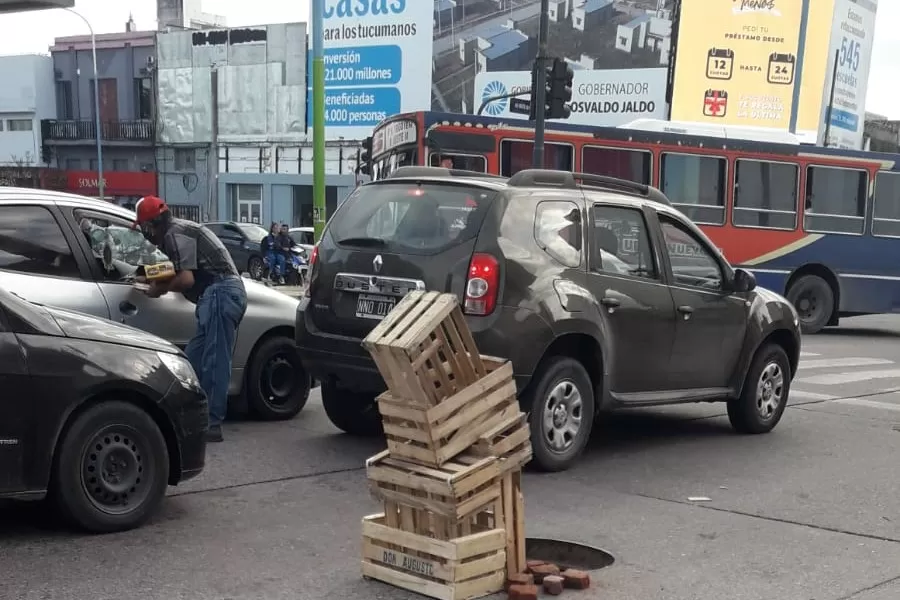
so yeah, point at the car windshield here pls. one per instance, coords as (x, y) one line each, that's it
(254, 233)
(409, 217)
(128, 249)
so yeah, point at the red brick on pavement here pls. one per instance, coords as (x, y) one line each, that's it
(519, 579)
(541, 571)
(576, 580)
(523, 592)
(553, 585)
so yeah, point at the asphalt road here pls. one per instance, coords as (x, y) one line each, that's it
(809, 511)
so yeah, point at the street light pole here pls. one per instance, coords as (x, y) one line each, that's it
(100, 183)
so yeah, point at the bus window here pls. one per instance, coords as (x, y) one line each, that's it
(835, 200)
(633, 165)
(696, 186)
(886, 220)
(466, 162)
(515, 156)
(765, 194)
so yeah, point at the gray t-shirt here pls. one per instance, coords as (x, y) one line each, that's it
(192, 247)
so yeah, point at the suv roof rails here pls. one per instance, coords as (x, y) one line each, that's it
(571, 180)
(417, 171)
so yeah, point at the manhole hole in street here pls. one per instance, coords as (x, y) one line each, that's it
(567, 554)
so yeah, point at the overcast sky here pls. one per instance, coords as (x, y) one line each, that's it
(27, 33)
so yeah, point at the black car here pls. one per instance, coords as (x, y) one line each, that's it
(600, 293)
(243, 243)
(100, 417)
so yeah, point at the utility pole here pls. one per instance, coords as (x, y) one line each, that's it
(540, 94)
(318, 115)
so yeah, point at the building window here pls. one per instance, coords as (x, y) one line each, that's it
(185, 159)
(247, 202)
(143, 98)
(886, 220)
(64, 104)
(93, 164)
(696, 185)
(303, 204)
(835, 200)
(73, 164)
(633, 165)
(19, 124)
(765, 194)
(120, 164)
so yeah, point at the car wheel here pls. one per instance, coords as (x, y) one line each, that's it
(561, 413)
(765, 393)
(355, 413)
(814, 300)
(111, 468)
(277, 383)
(255, 267)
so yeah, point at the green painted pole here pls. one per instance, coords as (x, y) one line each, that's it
(318, 89)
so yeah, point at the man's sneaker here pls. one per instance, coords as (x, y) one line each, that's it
(281, 280)
(215, 434)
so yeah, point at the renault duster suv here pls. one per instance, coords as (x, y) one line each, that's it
(600, 293)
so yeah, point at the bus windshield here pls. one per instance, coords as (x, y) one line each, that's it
(386, 165)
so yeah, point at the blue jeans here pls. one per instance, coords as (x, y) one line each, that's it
(219, 312)
(276, 263)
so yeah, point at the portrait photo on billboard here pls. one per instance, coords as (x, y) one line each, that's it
(619, 54)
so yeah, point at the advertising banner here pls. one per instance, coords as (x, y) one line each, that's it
(852, 34)
(735, 62)
(377, 63)
(602, 98)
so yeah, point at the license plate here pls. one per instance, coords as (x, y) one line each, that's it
(369, 306)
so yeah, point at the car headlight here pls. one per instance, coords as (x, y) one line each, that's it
(181, 369)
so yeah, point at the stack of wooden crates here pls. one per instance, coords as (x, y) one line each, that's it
(450, 479)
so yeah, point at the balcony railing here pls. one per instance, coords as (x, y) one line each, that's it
(85, 129)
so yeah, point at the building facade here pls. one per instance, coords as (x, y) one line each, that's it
(126, 101)
(239, 95)
(26, 98)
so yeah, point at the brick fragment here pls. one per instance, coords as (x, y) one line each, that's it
(576, 580)
(519, 579)
(541, 571)
(530, 564)
(553, 585)
(523, 592)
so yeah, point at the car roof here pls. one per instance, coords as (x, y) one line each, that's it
(9, 195)
(531, 180)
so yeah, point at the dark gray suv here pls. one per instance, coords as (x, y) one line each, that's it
(600, 293)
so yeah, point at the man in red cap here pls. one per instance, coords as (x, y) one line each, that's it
(206, 275)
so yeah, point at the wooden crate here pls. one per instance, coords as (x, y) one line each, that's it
(508, 514)
(439, 502)
(424, 349)
(509, 441)
(471, 566)
(432, 435)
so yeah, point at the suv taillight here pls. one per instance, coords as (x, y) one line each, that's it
(311, 269)
(482, 285)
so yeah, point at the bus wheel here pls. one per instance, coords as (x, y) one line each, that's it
(814, 300)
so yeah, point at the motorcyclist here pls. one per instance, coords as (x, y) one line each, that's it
(269, 248)
(284, 245)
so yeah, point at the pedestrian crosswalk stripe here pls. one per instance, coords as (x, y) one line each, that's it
(850, 361)
(868, 403)
(804, 395)
(850, 377)
(805, 354)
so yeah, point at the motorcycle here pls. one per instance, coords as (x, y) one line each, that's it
(296, 268)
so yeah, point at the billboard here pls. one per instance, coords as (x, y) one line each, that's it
(377, 63)
(852, 33)
(619, 52)
(735, 62)
(602, 98)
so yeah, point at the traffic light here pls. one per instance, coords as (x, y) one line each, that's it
(559, 93)
(557, 89)
(364, 158)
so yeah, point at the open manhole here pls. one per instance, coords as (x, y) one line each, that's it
(567, 555)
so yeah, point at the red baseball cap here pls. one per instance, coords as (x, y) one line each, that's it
(149, 208)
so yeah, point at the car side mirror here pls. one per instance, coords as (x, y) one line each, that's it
(744, 281)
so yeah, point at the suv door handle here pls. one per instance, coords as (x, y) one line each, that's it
(687, 311)
(610, 302)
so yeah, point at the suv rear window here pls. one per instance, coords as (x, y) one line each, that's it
(424, 218)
